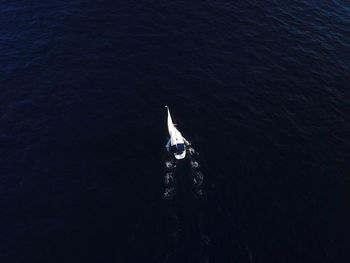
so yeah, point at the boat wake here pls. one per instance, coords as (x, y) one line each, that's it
(184, 195)
(174, 172)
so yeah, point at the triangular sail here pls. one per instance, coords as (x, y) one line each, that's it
(175, 135)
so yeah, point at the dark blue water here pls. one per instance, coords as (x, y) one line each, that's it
(261, 89)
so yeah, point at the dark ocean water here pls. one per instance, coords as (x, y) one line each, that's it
(261, 89)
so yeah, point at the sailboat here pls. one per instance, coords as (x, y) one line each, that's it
(177, 143)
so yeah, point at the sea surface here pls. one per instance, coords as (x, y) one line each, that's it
(260, 88)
